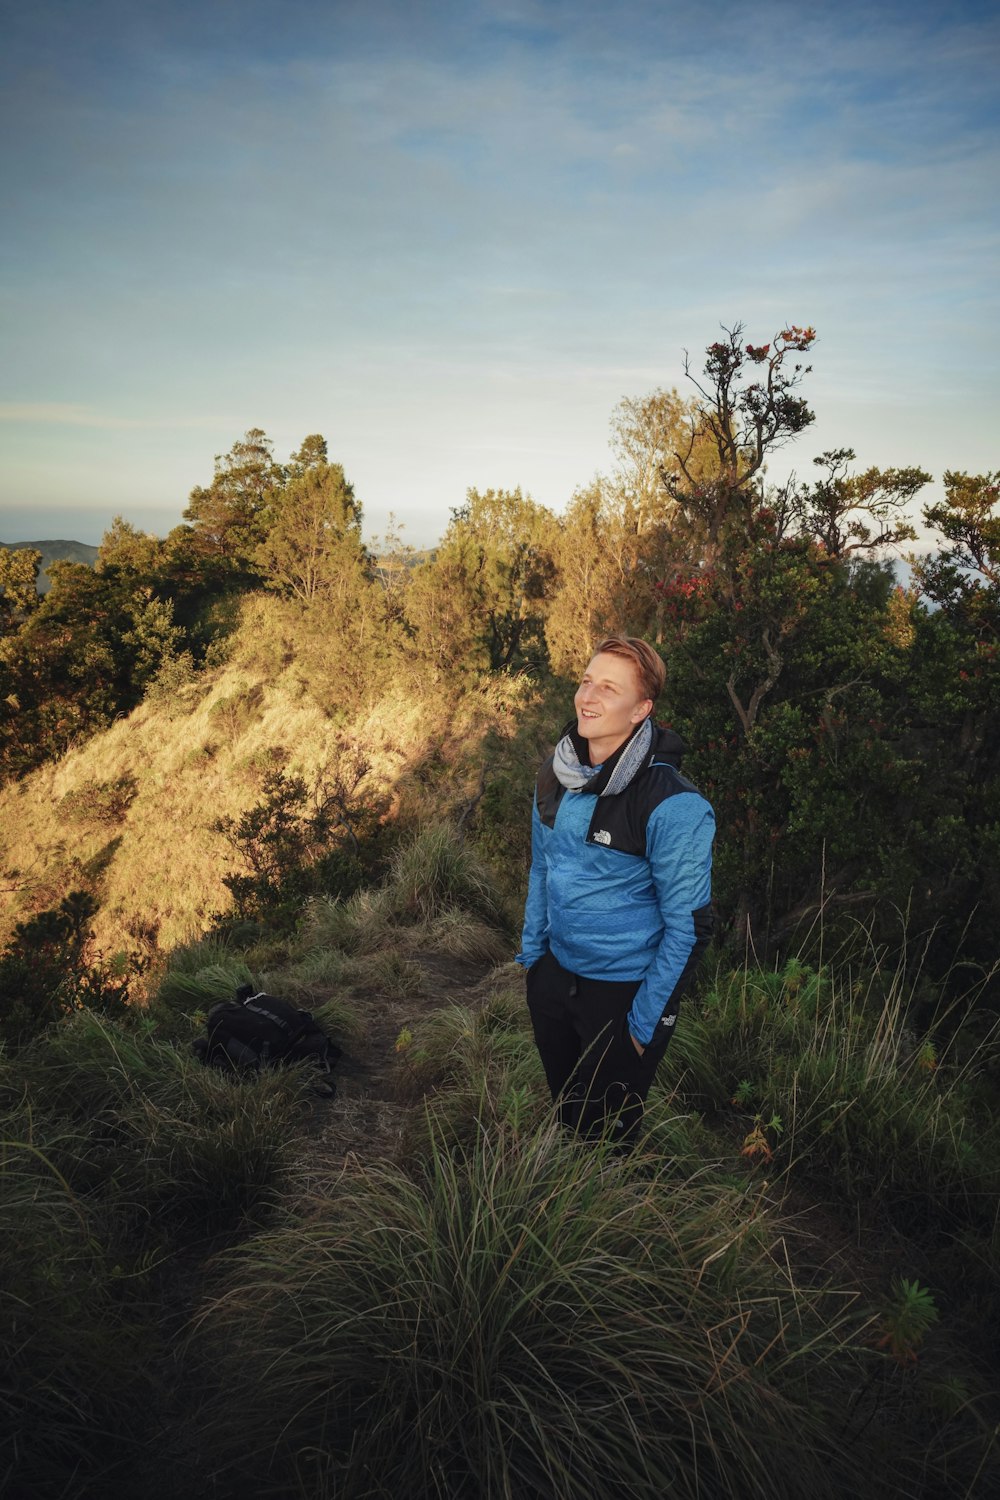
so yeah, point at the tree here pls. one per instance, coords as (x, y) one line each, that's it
(313, 547)
(587, 604)
(392, 564)
(440, 606)
(623, 532)
(314, 555)
(496, 564)
(86, 653)
(747, 409)
(312, 453)
(150, 638)
(128, 550)
(790, 689)
(230, 518)
(514, 537)
(18, 585)
(791, 655)
(958, 698)
(646, 432)
(964, 578)
(837, 510)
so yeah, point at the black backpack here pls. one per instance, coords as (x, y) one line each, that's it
(256, 1029)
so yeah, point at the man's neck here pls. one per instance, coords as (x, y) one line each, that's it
(598, 751)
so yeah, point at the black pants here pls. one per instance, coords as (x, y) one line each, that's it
(597, 1079)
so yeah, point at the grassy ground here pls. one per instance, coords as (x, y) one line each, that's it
(420, 1288)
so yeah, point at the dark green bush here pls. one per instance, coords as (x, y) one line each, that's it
(45, 975)
(100, 801)
(295, 844)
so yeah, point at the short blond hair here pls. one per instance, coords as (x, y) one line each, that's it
(649, 668)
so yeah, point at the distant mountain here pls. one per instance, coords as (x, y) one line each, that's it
(52, 552)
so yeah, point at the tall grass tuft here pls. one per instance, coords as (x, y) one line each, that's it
(518, 1320)
(438, 895)
(459, 935)
(691, 1062)
(319, 981)
(863, 1099)
(184, 991)
(329, 923)
(478, 1071)
(189, 958)
(76, 1382)
(463, 1042)
(177, 1153)
(88, 1067)
(389, 971)
(438, 871)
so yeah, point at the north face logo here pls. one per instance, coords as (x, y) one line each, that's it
(602, 836)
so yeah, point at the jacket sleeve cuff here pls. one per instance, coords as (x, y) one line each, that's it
(527, 959)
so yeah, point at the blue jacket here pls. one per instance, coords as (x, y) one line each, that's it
(620, 886)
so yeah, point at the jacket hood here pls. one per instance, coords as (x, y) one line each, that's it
(668, 746)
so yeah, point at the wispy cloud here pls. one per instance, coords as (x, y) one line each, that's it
(400, 223)
(71, 414)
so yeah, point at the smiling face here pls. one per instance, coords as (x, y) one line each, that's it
(609, 704)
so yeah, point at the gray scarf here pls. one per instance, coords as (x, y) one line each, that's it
(616, 772)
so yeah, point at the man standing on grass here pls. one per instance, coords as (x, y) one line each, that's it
(618, 910)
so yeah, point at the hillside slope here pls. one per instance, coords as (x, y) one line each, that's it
(131, 813)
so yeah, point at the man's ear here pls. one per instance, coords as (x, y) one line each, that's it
(642, 710)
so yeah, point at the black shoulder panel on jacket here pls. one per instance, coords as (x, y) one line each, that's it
(548, 793)
(619, 822)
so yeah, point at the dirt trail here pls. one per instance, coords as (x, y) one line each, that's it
(367, 1119)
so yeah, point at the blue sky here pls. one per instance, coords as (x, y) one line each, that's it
(451, 237)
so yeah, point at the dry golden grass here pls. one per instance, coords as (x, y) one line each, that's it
(200, 754)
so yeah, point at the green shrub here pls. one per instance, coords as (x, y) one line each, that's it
(45, 976)
(502, 825)
(233, 714)
(166, 687)
(295, 844)
(104, 802)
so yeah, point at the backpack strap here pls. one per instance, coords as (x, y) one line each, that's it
(292, 1031)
